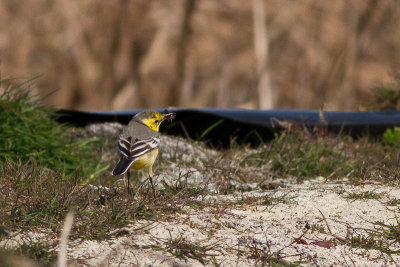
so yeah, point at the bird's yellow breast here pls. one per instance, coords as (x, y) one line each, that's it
(145, 161)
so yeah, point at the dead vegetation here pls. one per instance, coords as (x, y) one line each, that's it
(134, 54)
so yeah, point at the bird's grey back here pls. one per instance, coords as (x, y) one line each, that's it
(138, 130)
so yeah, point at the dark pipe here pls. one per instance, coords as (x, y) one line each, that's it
(220, 126)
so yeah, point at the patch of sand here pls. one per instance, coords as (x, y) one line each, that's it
(238, 232)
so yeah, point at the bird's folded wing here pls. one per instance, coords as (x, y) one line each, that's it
(124, 145)
(137, 148)
(132, 151)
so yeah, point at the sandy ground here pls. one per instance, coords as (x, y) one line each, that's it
(310, 223)
(240, 234)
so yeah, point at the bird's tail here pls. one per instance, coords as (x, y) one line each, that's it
(122, 166)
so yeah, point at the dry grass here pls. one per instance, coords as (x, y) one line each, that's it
(132, 54)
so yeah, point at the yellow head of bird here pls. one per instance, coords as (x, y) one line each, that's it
(153, 118)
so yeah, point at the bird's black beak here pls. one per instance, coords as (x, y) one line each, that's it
(168, 116)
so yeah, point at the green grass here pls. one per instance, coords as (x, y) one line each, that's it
(298, 154)
(382, 237)
(28, 131)
(309, 154)
(260, 200)
(379, 237)
(362, 196)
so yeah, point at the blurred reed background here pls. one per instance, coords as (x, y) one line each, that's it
(127, 54)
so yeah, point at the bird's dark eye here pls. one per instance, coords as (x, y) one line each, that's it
(157, 121)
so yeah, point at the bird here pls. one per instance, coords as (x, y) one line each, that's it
(139, 143)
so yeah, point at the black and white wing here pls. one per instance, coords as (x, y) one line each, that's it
(132, 151)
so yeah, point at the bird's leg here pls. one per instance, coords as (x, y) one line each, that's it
(129, 182)
(151, 180)
(152, 186)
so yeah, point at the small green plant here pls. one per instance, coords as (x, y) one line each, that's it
(41, 252)
(393, 202)
(386, 96)
(382, 237)
(260, 200)
(184, 249)
(392, 136)
(363, 241)
(391, 231)
(363, 195)
(264, 257)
